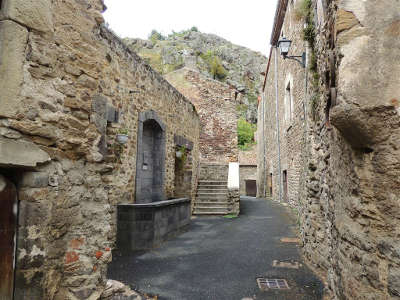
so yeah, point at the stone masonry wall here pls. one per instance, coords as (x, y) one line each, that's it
(348, 200)
(292, 125)
(216, 104)
(68, 86)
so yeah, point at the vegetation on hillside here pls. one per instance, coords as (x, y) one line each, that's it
(211, 55)
(246, 132)
(214, 65)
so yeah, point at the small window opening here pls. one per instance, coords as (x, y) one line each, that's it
(288, 103)
(327, 114)
(367, 150)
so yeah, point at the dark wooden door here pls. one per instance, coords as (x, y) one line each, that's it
(270, 184)
(285, 186)
(251, 188)
(8, 218)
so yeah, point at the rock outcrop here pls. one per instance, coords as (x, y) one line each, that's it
(192, 49)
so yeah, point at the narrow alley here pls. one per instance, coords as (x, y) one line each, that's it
(221, 258)
(211, 150)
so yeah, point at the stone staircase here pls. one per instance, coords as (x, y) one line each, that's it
(212, 191)
(211, 198)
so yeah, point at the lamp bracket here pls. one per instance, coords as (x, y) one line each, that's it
(295, 57)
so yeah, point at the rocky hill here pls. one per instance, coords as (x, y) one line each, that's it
(211, 55)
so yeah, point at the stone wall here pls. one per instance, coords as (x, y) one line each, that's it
(348, 174)
(216, 104)
(68, 87)
(291, 98)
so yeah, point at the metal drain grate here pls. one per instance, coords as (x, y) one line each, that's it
(273, 284)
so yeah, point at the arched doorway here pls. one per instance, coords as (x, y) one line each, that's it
(150, 167)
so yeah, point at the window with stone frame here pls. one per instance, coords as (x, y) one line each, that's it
(288, 102)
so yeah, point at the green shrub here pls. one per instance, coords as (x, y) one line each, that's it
(302, 9)
(156, 36)
(214, 65)
(194, 28)
(245, 134)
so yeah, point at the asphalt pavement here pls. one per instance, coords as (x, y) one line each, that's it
(218, 258)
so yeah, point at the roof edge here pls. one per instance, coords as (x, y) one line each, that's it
(278, 21)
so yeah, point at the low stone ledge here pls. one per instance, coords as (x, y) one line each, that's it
(158, 203)
(145, 226)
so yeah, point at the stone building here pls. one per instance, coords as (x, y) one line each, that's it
(68, 87)
(216, 103)
(248, 172)
(328, 139)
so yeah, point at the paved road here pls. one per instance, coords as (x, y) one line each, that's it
(220, 258)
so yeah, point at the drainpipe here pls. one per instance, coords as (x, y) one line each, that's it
(277, 124)
(264, 145)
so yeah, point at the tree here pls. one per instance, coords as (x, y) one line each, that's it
(156, 36)
(245, 133)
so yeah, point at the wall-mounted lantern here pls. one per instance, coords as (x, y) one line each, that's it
(284, 47)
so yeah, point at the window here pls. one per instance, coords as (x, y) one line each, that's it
(288, 102)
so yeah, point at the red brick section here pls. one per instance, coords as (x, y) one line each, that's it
(77, 243)
(216, 104)
(71, 257)
(99, 254)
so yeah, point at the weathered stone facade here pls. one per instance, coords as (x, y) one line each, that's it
(343, 159)
(69, 86)
(216, 104)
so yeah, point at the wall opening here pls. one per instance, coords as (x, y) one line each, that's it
(270, 184)
(288, 105)
(150, 168)
(251, 188)
(285, 185)
(183, 172)
(327, 113)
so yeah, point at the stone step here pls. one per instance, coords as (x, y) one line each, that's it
(201, 182)
(211, 208)
(211, 204)
(217, 187)
(210, 212)
(211, 198)
(212, 191)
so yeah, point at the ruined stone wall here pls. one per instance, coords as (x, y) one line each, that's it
(216, 104)
(68, 86)
(349, 195)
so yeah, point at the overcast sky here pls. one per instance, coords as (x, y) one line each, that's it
(244, 22)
